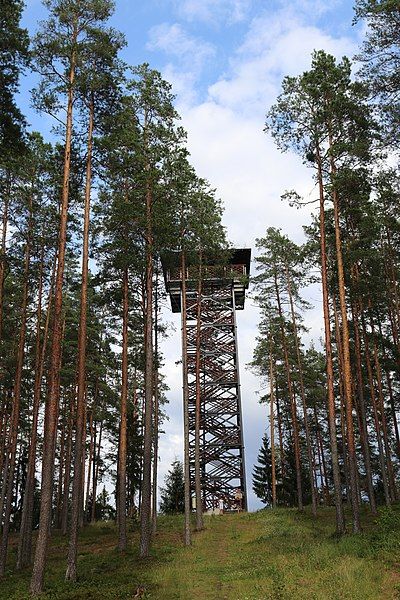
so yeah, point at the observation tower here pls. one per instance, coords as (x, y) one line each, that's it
(215, 290)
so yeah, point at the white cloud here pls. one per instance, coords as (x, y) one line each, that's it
(273, 47)
(213, 11)
(174, 41)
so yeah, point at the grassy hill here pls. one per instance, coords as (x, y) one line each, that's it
(272, 554)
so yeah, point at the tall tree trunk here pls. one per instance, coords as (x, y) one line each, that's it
(7, 197)
(61, 460)
(340, 522)
(17, 399)
(197, 424)
(378, 372)
(390, 391)
(25, 536)
(303, 396)
(292, 400)
(156, 411)
(96, 468)
(80, 436)
(338, 339)
(375, 411)
(280, 432)
(362, 412)
(90, 463)
(145, 513)
(68, 460)
(122, 446)
(346, 355)
(51, 410)
(186, 463)
(272, 428)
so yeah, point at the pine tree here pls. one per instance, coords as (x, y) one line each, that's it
(173, 494)
(262, 474)
(380, 57)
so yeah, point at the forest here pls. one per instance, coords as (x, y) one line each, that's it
(86, 218)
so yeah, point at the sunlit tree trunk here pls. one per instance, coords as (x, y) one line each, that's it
(51, 411)
(340, 522)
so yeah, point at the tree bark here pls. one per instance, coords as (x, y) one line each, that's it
(340, 522)
(272, 429)
(80, 436)
(122, 447)
(15, 413)
(68, 460)
(156, 412)
(25, 536)
(347, 370)
(375, 411)
(51, 410)
(362, 412)
(90, 463)
(378, 372)
(7, 198)
(145, 513)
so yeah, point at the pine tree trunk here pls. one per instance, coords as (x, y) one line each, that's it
(156, 411)
(25, 536)
(197, 456)
(340, 522)
(292, 400)
(280, 433)
(272, 429)
(145, 513)
(7, 197)
(321, 449)
(80, 435)
(68, 460)
(90, 462)
(15, 413)
(375, 412)
(378, 372)
(390, 391)
(362, 412)
(96, 467)
(51, 411)
(339, 346)
(187, 532)
(303, 397)
(155, 459)
(347, 369)
(122, 447)
(61, 460)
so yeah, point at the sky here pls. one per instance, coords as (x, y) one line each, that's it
(226, 60)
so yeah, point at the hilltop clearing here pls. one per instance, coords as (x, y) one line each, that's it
(272, 554)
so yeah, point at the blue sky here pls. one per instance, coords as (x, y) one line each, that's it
(226, 60)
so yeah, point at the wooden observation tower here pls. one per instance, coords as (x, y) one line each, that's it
(215, 289)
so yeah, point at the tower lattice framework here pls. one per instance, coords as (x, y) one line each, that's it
(213, 372)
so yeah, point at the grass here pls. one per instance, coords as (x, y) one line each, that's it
(273, 554)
